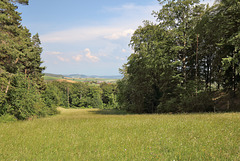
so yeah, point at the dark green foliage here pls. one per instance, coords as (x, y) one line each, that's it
(109, 95)
(51, 95)
(25, 2)
(80, 95)
(25, 100)
(22, 89)
(7, 118)
(94, 95)
(178, 62)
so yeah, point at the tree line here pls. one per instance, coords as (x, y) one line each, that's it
(23, 92)
(81, 95)
(181, 62)
(21, 79)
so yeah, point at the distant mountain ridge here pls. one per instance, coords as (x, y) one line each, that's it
(84, 76)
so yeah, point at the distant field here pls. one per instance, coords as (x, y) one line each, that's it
(92, 79)
(98, 80)
(48, 78)
(91, 134)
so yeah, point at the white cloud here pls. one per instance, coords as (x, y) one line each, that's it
(131, 7)
(134, 14)
(53, 52)
(63, 59)
(90, 57)
(77, 57)
(120, 58)
(124, 50)
(118, 35)
(83, 34)
(86, 55)
(105, 44)
(130, 17)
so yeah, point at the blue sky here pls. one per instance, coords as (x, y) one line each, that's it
(86, 37)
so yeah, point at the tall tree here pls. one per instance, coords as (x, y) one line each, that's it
(179, 19)
(150, 70)
(20, 66)
(160, 75)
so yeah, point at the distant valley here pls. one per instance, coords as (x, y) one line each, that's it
(81, 78)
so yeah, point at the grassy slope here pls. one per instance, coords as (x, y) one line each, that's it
(47, 78)
(92, 135)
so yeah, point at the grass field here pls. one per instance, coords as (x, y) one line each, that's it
(90, 134)
(49, 78)
(93, 79)
(74, 80)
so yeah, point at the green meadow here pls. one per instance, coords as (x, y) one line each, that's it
(53, 78)
(49, 78)
(92, 134)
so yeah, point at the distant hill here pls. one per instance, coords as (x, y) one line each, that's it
(81, 78)
(76, 76)
(54, 75)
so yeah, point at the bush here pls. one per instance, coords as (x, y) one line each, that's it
(200, 103)
(25, 100)
(170, 105)
(7, 118)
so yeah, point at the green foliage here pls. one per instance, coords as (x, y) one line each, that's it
(7, 118)
(3, 83)
(25, 100)
(21, 78)
(109, 98)
(200, 103)
(25, 2)
(80, 95)
(176, 61)
(84, 96)
(151, 71)
(95, 94)
(51, 96)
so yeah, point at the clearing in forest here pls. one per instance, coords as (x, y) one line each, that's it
(92, 134)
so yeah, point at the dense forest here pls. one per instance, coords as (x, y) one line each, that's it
(21, 79)
(187, 61)
(81, 95)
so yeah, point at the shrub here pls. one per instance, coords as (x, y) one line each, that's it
(7, 118)
(200, 103)
(25, 100)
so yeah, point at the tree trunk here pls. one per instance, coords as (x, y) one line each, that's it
(8, 86)
(196, 74)
(25, 73)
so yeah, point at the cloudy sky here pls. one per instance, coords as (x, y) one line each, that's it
(86, 37)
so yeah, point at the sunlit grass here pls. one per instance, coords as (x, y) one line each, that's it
(51, 78)
(90, 134)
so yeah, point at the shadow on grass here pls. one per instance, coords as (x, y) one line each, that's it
(109, 112)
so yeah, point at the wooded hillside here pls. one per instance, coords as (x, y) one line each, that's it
(182, 62)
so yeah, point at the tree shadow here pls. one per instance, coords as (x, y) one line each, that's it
(110, 112)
